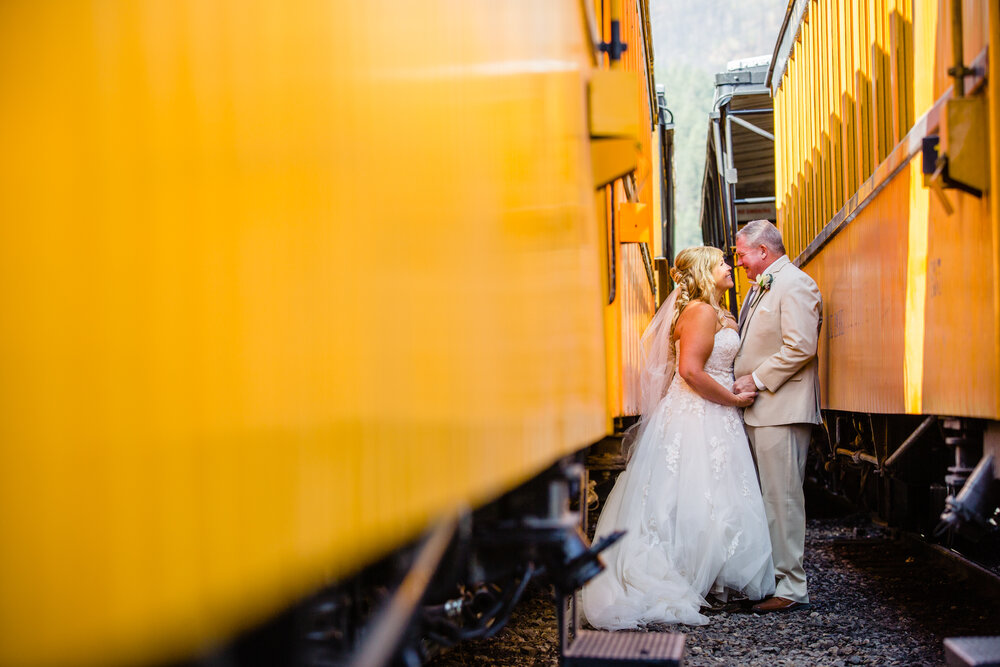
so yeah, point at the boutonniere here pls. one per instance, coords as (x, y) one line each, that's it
(762, 283)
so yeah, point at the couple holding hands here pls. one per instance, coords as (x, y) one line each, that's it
(711, 499)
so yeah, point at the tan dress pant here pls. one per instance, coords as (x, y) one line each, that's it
(780, 454)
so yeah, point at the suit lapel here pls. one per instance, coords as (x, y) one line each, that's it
(751, 308)
(751, 295)
(774, 269)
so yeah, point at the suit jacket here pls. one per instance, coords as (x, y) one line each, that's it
(778, 341)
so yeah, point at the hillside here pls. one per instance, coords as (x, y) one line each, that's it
(692, 40)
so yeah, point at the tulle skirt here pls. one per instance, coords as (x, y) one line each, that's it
(691, 507)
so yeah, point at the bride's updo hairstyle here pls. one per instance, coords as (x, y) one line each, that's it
(692, 273)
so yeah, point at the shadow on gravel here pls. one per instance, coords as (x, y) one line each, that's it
(916, 592)
(529, 639)
(874, 602)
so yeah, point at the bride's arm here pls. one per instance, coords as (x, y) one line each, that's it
(696, 332)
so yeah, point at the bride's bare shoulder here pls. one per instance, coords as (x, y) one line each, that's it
(697, 309)
(698, 315)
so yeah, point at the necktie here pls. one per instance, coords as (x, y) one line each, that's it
(746, 307)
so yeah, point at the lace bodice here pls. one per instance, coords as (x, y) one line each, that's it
(720, 362)
(682, 399)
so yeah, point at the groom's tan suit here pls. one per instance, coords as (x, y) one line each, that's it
(779, 332)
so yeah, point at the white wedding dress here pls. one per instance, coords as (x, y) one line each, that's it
(691, 507)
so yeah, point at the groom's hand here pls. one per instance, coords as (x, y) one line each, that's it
(744, 384)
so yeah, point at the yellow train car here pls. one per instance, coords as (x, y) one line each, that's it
(887, 125)
(286, 284)
(632, 210)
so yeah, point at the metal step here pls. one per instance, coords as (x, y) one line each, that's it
(600, 649)
(972, 651)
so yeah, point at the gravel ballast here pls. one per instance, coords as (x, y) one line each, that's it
(875, 601)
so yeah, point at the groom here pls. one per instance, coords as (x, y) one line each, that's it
(779, 332)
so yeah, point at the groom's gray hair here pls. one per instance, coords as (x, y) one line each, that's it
(762, 232)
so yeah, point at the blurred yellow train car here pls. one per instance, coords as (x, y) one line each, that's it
(887, 126)
(287, 284)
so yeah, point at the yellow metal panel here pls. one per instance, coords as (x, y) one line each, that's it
(656, 245)
(821, 137)
(849, 100)
(218, 388)
(904, 244)
(926, 28)
(809, 64)
(875, 58)
(816, 125)
(835, 168)
(974, 37)
(636, 222)
(860, 87)
(961, 352)
(790, 164)
(993, 91)
(862, 273)
(613, 104)
(869, 137)
(612, 324)
(632, 308)
(784, 200)
(813, 195)
(963, 249)
(898, 277)
(779, 161)
(612, 159)
(964, 133)
(882, 109)
(914, 333)
(804, 153)
(841, 77)
(904, 55)
(637, 308)
(829, 121)
(942, 45)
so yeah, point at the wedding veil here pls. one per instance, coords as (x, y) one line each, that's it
(658, 366)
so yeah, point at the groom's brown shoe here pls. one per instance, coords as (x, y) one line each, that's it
(778, 604)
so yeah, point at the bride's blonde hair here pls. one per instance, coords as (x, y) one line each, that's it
(692, 273)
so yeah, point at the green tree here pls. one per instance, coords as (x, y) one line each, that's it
(692, 41)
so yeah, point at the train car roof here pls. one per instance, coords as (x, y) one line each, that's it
(789, 32)
(739, 150)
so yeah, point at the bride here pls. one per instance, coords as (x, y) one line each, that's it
(688, 500)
